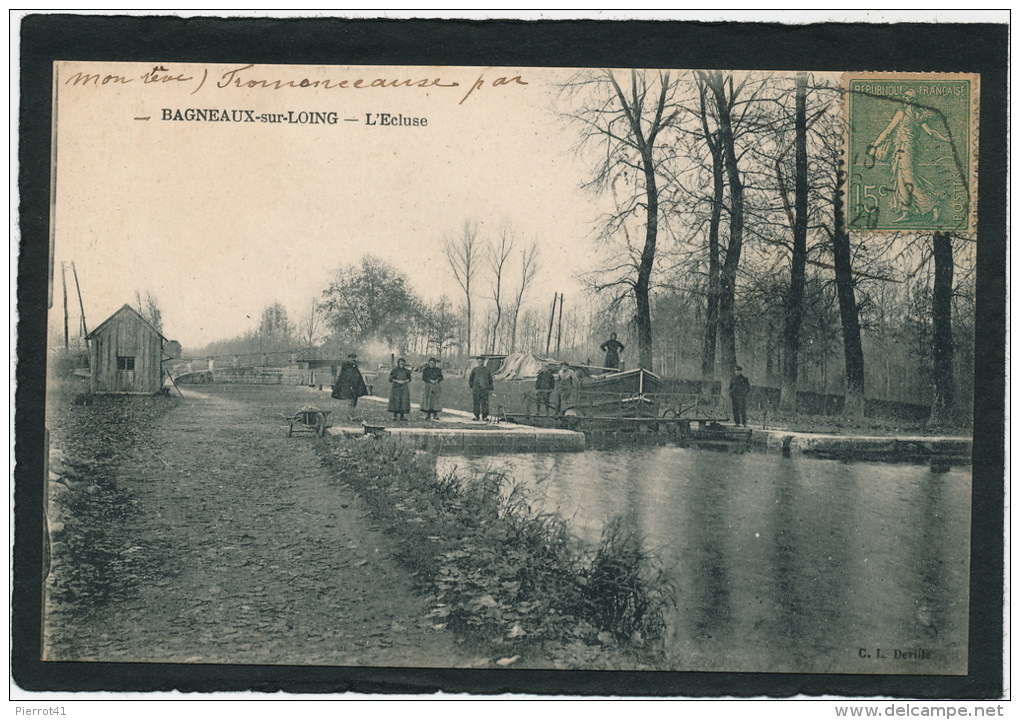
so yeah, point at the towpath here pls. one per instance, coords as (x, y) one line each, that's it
(234, 545)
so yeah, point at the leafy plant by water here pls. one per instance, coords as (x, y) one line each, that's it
(498, 570)
(626, 588)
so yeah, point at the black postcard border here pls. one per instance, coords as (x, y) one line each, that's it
(979, 48)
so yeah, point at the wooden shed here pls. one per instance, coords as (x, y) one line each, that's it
(126, 354)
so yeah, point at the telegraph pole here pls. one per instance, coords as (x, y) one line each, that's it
(559, 326)
(84, 327)
(63, 282)
(552, 318)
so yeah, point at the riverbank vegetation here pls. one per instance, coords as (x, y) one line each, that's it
(501, 574)
(89, 437)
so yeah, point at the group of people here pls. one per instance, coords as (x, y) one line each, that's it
(350, 385)
(480, 381)
(555, 390)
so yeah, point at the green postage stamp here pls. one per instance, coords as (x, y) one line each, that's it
(912, 149)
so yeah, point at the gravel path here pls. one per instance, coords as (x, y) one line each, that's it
(236, 546)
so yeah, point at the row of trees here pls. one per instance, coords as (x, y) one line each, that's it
(724, 243)
(372, 303)
(741, 176)
(473, 259)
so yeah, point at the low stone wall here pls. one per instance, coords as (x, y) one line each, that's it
(452, 441)
(879, 448)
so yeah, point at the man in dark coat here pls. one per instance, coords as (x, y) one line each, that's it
(480, 382)
(740, 388)
(612, 348)
(544, 384)
(349, 384)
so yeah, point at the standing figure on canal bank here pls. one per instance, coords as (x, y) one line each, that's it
(480, 382)
(431, 396)
(612, 348)
(400, 390)
(567, 386)
(740, 388)
(545, 383)
(349, 384)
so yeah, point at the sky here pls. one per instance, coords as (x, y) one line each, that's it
(219, 219)
(155, 193)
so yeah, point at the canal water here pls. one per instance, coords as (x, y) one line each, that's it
(780, 564)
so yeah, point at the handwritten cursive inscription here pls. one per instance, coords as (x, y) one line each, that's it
(480, 83)
(250, 77)
(241, 78)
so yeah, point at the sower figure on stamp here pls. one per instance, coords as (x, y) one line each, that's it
(544, 384)
(349, 384)
(913, 193)
(431, 396)
(740, 388)
(400, 390)
(612, 348)
(480, 382)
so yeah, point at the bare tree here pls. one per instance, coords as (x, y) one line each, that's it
(711, 138)
(441, 326)
(846, 290)
(626, 127)
(849, 310)
(275, 328)
(498, 253)
(943, 385)
(794, 314)
(725, 94)
(309, 325)
(148, 308)
(529, 267)
(463, 255)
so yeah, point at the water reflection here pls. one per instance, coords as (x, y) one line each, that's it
(795, 565)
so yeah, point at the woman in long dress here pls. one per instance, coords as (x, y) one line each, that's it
(400, 390)
(431, 396)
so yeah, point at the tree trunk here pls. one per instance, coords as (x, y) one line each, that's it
(849, 314)
(728, 274)
(468, 301)
(798, 263)
(641, 287)
(513, 327)
(708, 346)
(943, 382)
(495, 328)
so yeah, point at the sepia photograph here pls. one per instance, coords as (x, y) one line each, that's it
(515, 367)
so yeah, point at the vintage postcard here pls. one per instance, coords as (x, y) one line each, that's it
(511, 368)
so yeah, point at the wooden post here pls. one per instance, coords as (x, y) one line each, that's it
(173, 382)
(84, 327)
(559, 326)
(552, 316)
(63, 282)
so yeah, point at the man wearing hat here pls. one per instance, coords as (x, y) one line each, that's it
(740, 388)
(480, 382)
(349, 384)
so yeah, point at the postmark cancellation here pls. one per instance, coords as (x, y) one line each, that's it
(911, 144)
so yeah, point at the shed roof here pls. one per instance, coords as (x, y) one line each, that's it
(131, 310)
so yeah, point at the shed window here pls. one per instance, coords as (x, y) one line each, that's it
(125, 363)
